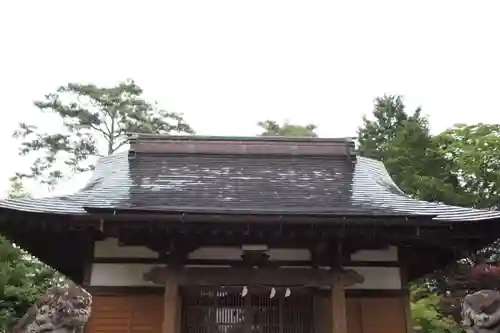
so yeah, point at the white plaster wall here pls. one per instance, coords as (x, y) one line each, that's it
(378, 278)
(389, 254)
(222, 253)
(120, 275)
(132, 275)
(109, 248)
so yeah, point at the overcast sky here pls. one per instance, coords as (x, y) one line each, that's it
(228, 64)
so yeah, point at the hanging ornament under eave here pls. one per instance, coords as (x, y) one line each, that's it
(244, 292)
(288, 292)
(273, 293)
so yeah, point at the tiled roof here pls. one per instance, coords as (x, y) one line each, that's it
(243, 184)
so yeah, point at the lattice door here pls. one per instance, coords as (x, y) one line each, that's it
(223, 310)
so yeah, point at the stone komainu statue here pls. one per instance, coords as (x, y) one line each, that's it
(60, 310)
(481, 312)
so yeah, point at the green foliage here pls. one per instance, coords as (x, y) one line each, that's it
(272, 128)
(17, 189)
(412, 157)
(91, 116)
(22, 278)
(461, 166)
(425, 307)
(474, 155)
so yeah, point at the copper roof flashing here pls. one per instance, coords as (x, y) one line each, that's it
(288, 146)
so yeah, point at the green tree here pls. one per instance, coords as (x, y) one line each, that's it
(22, 278)
(272, 128)
(95, 122)
(474, 155)
(412, 157)
(415, 161)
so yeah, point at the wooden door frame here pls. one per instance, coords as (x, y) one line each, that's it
(248, 309)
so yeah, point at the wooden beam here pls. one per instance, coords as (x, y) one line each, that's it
(240, 263)
(339, 313)
(403, 272)
(170, 308)
(241, 276)
(160, 290)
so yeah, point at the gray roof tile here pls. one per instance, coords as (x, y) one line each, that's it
(243, 184)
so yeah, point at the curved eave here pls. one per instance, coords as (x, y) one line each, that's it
(105, 186)
(374, 186)
(56, 205)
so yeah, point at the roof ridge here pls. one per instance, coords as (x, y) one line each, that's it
(286, 139)
(293, 146)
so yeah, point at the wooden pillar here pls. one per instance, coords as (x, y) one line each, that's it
(248, 314)
(339, 313)
(171, 301)
(178, 319)
(403, 273)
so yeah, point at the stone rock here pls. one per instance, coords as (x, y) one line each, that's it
(481, 312)
(59, 310)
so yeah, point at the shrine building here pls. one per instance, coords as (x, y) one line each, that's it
(244, 235)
